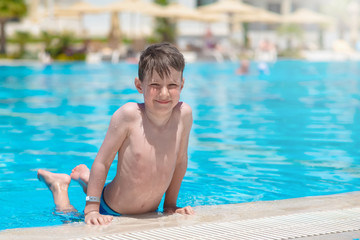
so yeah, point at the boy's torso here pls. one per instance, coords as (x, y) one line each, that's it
(146, 163)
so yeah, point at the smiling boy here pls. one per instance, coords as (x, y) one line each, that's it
(151, 140)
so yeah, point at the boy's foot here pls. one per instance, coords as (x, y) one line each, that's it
(54, 181)
(58, 183)
(81, 174)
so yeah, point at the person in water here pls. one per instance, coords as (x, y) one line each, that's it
(151, 140)
(243, 68)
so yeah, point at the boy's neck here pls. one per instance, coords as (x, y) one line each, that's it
(156, 119)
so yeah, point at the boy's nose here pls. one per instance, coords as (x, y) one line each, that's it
(164, 92)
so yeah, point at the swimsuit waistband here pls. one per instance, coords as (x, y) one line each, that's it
(104, 207)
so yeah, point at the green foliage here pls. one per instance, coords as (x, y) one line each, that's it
(290, 53)
(74, 57)
(21, 38)
(162, 2)
(46, 38)
(246, 35)
(152, 39)
(9, 10)
(126, 40)
(12, 9)
(59, 46)
(165, 30)
(290, 31)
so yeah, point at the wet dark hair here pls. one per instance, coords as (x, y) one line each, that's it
(160, 57)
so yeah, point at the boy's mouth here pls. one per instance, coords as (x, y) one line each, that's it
(163, 101)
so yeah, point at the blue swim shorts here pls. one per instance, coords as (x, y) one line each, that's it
(104, 208)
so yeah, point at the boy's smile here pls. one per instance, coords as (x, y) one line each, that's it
(163, 102)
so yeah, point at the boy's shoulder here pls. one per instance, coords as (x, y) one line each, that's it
(185, 111)
(128, 112)
(184, 108)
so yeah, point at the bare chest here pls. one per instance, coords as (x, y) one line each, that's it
(150, 156)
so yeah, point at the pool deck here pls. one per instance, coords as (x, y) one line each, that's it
(317, 218)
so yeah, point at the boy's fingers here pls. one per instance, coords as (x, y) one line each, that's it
(94, 221)
(101, 220)
(107, 219)
(88, 221)
(179, 210)
(190, 210)
(186, 210)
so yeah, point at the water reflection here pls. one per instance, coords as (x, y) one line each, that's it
(294, 127)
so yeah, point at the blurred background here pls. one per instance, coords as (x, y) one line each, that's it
(216, 30)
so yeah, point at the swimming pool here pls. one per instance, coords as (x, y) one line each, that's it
(292, 133)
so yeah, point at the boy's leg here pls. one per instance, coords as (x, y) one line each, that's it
(58, 184)
(81, 174)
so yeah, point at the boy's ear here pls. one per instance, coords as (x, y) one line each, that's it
(138, 85)
(182, 83)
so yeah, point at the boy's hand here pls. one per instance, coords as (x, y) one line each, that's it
(95, 218)
(184, 211)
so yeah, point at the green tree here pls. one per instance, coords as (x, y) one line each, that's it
(9, 10)
(46, 38)
(21, 38)
(165, 29)
(291, 32)
(59, 44)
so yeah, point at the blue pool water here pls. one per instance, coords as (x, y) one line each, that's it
(292, 133)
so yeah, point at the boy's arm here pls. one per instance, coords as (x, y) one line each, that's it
(181, 166)
(115, 136)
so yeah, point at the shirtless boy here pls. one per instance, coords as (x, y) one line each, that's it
(151, 140)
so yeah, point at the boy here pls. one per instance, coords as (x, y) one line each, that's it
(151, 140)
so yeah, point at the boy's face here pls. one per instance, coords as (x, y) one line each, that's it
(161, 94)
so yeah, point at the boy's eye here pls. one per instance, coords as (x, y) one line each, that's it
(173, 85)
(154, 84)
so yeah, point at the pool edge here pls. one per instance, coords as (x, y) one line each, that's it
(204, 214)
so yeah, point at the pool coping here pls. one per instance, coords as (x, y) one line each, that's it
(204, 215)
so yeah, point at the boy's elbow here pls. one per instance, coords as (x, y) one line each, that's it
(182, 164)
(101, 165)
